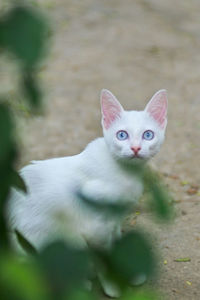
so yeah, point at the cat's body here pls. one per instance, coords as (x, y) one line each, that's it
(53, 207)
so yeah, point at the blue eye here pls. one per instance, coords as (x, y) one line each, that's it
(148, 135)
(122, 135)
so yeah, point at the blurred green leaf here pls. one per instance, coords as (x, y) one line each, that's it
(160, 200)
(23, 31)
(8, 154)
(79, 294)
(18, 182)
(21, 281)
(132, 256)
(6, 131)
(6, 172)
(64, 266)
(31, 89)
(140, 295)
(25, 244)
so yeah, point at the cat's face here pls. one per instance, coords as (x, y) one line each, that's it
(134, 134)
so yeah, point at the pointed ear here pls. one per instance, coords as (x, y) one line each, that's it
(111, 109)
(157, 107)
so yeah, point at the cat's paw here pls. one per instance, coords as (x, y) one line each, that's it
(139, 279)
(111, 290)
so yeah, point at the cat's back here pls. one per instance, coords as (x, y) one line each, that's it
(56, 171)
(41, 171)
(45, 179)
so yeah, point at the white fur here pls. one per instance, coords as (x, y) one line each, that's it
(52, 208)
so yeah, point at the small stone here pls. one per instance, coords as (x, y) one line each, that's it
(177, 200)
(194, 186)
(172, 176)
(192, 191)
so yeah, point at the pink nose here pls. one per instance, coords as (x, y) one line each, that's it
(136, 149)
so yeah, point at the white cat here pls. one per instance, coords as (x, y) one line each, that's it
(52, 207)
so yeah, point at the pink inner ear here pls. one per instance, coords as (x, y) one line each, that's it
(111, 108)
(157, 107)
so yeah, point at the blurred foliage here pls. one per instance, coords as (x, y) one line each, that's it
(59, 271)
(132, 247)
(24, 243)
(158, 197)
(24, 32)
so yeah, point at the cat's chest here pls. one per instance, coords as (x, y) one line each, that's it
(128, 186)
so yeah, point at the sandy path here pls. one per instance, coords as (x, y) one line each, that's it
(132, 48)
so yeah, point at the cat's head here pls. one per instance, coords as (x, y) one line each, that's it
(134, 134)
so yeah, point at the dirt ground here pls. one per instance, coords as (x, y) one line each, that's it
(132, 48)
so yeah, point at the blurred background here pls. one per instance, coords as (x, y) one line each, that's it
(132, 48)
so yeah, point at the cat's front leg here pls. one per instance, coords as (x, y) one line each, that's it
(139, 279)
(99, 190)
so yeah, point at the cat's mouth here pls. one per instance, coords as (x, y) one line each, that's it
(136, 156)
(132, 157)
